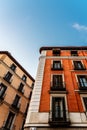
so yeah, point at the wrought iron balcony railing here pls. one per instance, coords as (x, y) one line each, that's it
(62, 119)
(58, 87)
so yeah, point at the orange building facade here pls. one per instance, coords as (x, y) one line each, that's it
(59, 99)
(16, 86)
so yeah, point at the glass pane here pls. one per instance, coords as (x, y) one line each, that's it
(83, 81)
(9, 120)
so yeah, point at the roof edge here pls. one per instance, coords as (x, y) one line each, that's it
(63, 48)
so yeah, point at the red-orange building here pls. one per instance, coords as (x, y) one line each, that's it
(59, 97)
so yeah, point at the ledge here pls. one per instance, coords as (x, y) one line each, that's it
(58, 92)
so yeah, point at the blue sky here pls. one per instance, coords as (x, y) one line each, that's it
(26, 25)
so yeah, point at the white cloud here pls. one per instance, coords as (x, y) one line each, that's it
(79, 27)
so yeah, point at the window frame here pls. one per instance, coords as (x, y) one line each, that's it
(21, 88)
(13, 67)
(56, 68)
(24, 78)
(83, 104)
(8, 77)
(76, 66)
(74, 52)
(3, 92)
(63, 83)
(12, 123)
(56, 52)
(80, 87)
(16, 104)
(59, 96)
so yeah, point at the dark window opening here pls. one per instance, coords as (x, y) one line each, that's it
(2, 90)
(85, 102)
(16, 103)
(24, 78)
(74, 53)
(8, 77)
(57, 65)
(58, 108)
(82, 81)
(20, 89)
(9, 121)
(56, 52)
(57, 83)
(59, 116)
(13, 67)
(78, 65)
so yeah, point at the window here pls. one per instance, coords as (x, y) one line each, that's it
(57, 83)
(21, 86)
(24, 78)
(8, 77)
(78, 65)
(82, 81)
(74, 53)
(85, 102)
(16, 102)
(58, 115)
(58, 108)
(2, 89)
(9, 121)
(56, 52)
(57, 65)
(13, 67)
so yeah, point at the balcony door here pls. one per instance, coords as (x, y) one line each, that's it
(2, 89)
(9, 121)
(16, 100)
(58, 109)
(57, 81)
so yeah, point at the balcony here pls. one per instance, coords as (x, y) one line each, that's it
(16, 107)
(58, 87)
(59, 121)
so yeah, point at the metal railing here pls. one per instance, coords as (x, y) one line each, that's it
(63, 116)
(57, 87)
